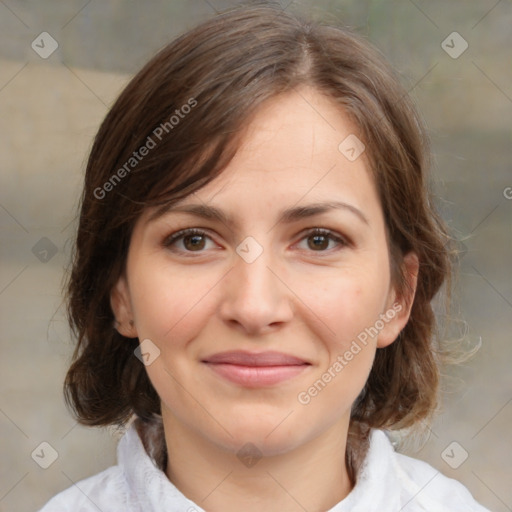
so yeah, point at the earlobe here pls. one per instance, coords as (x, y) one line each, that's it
(400, 305)
(121, 307)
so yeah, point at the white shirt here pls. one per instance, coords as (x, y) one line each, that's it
(387, 482)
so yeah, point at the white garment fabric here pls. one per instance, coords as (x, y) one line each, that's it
(387, 482)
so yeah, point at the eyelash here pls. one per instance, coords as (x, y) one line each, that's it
(170, 240)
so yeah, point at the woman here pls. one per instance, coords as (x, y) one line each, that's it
(255, 261)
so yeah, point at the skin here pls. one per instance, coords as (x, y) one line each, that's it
(302, 296)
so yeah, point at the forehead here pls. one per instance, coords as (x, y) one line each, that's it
(298, 125)
(292, 153)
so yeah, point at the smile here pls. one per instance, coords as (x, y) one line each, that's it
(256, 370)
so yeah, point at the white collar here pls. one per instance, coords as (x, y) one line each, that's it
(377, 484)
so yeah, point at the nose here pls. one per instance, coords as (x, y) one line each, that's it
(255, 298)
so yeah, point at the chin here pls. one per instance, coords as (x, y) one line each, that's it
(267, 435)
(244, 443)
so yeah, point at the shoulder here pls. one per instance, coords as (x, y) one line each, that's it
(425, 488)
(136, 483)
(388, 480)
(105, 491)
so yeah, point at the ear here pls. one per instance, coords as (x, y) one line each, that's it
(121, 306)
(399, 306)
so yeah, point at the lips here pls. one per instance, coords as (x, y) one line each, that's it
(250, 369)
(255, 359)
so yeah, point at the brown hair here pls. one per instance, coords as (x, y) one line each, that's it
(225, 69)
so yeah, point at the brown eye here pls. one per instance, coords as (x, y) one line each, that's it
(322, 240)
(318, 242)
(194, 242)
(189, 241)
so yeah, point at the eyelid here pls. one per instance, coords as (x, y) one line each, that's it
(177, 235)
(341, 240)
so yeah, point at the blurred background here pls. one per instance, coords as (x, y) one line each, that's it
(62, 64)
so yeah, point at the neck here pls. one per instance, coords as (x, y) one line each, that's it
(311, 477)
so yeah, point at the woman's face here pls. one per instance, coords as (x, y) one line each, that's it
(264, 322)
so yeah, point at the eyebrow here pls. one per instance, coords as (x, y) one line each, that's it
(286, 216)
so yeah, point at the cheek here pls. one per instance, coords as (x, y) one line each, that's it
(349, 306)
(347, 301)
(171, 309)
(168, 303)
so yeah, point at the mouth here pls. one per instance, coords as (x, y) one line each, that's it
(254, 370)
